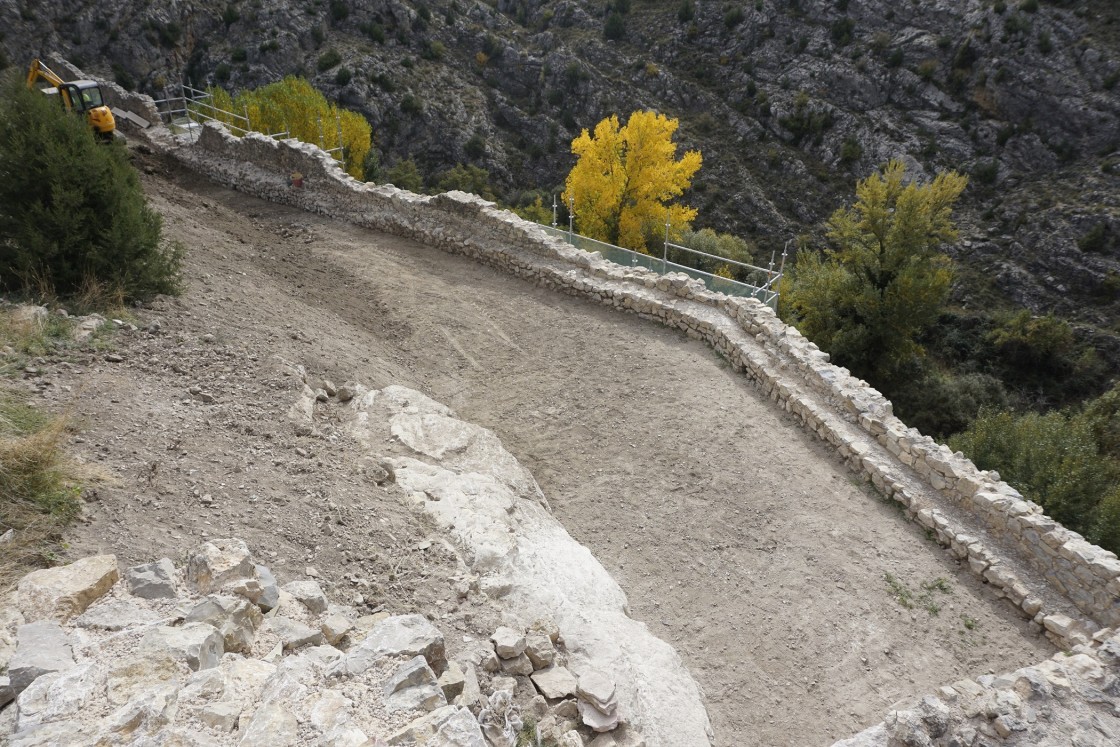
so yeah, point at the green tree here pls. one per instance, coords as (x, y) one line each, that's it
(405, 175)
(467, 178)
(73, 217)
(626, 177)
(866, 300)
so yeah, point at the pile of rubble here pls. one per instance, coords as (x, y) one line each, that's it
(217, 653)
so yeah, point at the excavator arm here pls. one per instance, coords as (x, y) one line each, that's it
(39, 70)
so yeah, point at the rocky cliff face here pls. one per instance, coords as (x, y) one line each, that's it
(789, 100)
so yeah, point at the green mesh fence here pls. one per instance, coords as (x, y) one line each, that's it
(629, 258)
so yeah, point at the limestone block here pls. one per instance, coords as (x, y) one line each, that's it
(413, 687)
(236, 618)
(395, 636)
(335, 627)
(539, 649)
(308, 592)
(139, 673)
(115, 614)
(270, 592)
(221, 716)
(472, 692)
(152, 580)
(452, 681)
(7, 692)
(1059, 625)
(294, 634)
(42, 647)
(555, 682)
(66, 591)
(520, 665)
(598, 689)
(424, 728)
(147, 713)
(273, 724)
(596, 719)
(197, 644)
(461, 729)
(508, 643)
(218, 563)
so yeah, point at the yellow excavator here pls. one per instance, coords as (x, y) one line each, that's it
(81, 96)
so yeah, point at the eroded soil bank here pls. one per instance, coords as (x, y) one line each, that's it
(738, 538)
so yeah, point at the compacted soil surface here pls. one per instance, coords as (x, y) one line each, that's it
(803, 603)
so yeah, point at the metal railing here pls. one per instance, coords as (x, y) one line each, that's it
(765, 291)
(184, 113)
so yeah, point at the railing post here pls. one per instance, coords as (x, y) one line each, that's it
(245, 108)
(554, 210)
(571, 215)
(665, 249)
(322, 145)
(341, 153)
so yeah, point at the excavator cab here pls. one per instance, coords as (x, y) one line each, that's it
(81, 96)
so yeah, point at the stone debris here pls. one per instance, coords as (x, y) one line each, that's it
(555, 682)
(413, 686)
(197, 644)
(293, 634)
(43, 647)
(508, 643)
(152, 580)
(66, 591)
(308, 592)
(1072, 698)
(235, 618)
(409, 635)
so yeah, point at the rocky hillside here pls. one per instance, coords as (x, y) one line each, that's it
(790, 102)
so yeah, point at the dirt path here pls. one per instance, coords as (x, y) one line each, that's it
(737, 537)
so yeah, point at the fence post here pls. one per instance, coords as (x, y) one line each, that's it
(571, 214)
(322, 145)
(665, 249)
(245, 108)
(554, 211)
(341, 152)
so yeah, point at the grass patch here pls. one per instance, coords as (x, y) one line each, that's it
(39, 485)
(926, 599)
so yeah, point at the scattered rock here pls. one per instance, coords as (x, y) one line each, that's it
(294, 634)
(555, 682)
(335, 627)
(395, 636)
(197, 644)
(596, 719)
(413, 687)
(152, 580)
(508, 643)
(115, 614)
(539, 649)
(520, 665)
(270, 591)
(309, 593)
(43, 647)
(452, 681)
(63, 592)
(219, 563)
(236, 618)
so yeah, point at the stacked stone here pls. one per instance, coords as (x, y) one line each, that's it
(560, 698)
(1071, 699)
(217, 653)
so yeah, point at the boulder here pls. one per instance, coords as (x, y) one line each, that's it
(402, 635)
(294, 634)
(452, 681)
(596, 719)
(236, 618)
(555, 682)
(413, 687)
(520, 665)
(152, 580)
(274, 725)
(66, 591)
(221, 563)
(42, 647)
(197, 644)
(508, 643)
(270, 591)
(539, 649)
(308, 592)
(115, 614)
(335, 627)
(461, 729)
(424, 729)
(147, 713)
(141, 672)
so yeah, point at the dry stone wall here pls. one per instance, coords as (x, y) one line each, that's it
(968, 510)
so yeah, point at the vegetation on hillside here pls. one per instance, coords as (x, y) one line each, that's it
(294, 106)
(626, 177)
(73, 217)
(876, 301)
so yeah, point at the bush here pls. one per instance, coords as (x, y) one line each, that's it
(405, 175)
(733, 17)
(343, 76)
(686, 11)
(72, 212)
(1095, 239)
(1056, 461)
(339, 10)
(615, 27)
(841, 31)
(467, 178)
(329, 59)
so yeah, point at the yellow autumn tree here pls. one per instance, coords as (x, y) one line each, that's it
(294, 106)
(626, 177)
